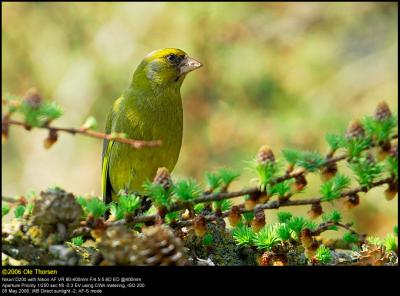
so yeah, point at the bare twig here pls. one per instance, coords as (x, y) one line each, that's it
(325, 226)
(14, 103)
(83, 131)
(9, 199)
(14, 200)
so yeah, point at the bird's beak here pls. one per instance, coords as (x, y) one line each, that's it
(189, 64)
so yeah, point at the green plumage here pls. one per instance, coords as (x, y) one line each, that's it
(149, 109)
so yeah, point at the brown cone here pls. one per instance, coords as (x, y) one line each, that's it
(265, 155)
(33, 98)
(382, 111)
(163, 178)
(355, 129)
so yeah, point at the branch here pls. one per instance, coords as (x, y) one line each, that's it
(325, 226)
(13, 103)
(134, 143)
(14, 200)
(275, 204)
(209, 197)
(9, 199)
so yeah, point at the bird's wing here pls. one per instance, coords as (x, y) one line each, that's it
(106, 188)
(105, 180)
(117, 121)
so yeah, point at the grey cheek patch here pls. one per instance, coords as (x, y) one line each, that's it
(151, 71)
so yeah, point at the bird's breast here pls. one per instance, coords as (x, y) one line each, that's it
(161, 122)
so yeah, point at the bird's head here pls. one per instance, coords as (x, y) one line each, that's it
(166, 67)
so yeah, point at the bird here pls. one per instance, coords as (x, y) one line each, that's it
(150, 108)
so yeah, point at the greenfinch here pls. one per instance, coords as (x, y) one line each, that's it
(149, 109)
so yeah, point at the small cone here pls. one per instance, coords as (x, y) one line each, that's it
(315, 211)
(383, 151)
(311, 250)
(234, 216)
(116, 245)
(355, 129)
(352, 201)
(263, 198)
(200, 226)
(299, 184)
(159, 247)
(51, 139)
(306, 238)
(266, 259)
(391, 191)
(5, 130)
(265, 155)
(32, 98)
(251, 202)
(328, 172)
(382, 111)
(258, 221)
(163, 178)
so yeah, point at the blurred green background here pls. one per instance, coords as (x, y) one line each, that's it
(282, 74)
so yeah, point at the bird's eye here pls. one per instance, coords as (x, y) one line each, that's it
(174, 59)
